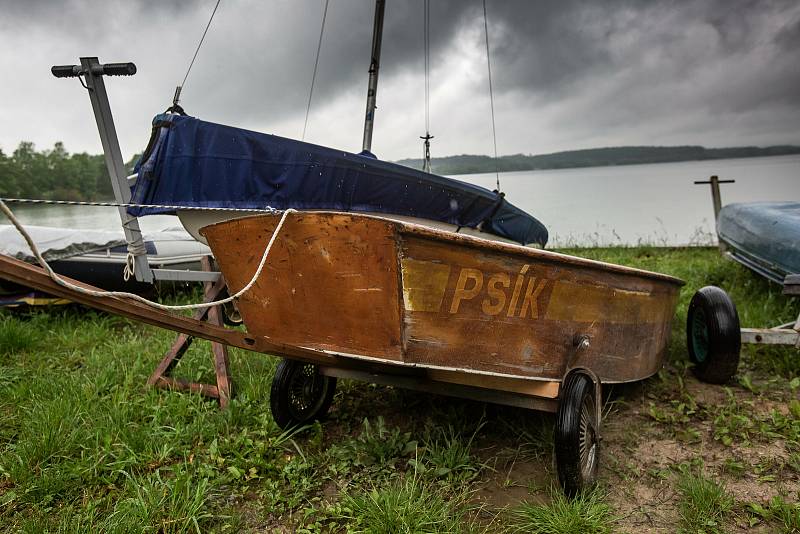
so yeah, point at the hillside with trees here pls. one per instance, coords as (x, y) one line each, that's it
(57, 174)
(54, 174)
(594, 157)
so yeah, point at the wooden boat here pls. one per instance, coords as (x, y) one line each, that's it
(495, 321)
(368, 287)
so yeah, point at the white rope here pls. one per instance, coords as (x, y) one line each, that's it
(130, 267)
(60, 281)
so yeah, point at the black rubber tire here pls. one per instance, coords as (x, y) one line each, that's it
(230, 313)
(300, 394)
(576, 436)
(713, 337)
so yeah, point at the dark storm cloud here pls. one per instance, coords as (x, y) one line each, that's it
(567, 73)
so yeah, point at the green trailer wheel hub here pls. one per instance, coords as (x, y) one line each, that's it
(699, 335)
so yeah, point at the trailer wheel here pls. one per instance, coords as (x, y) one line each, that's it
(577, 436)
(299, 394)
(231, 315)
(713, 338)
(230, 312)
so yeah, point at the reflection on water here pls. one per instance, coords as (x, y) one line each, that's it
(654, 204)
(91, 217)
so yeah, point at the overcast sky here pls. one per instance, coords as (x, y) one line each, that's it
(566, 74)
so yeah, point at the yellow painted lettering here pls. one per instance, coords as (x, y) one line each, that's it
(461, 292)
(515, 295)
(532, 293)
(496, 293)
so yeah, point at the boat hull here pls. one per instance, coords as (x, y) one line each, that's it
(763, 236)
(374, 289)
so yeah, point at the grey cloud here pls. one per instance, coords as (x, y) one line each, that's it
(626, 70)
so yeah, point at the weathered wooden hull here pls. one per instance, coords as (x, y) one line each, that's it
(372, 289)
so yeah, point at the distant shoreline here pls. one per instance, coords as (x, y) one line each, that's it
(594, 157)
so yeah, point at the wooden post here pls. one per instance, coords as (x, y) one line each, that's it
(716, 198)
(161, 376)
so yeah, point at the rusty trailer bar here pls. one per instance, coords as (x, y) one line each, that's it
(22, 273)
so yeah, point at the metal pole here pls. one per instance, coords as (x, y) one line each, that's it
(116, 166)
(716, 198)
(374, 65)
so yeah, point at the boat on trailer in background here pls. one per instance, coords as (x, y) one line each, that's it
(765, 238)
(96, 257)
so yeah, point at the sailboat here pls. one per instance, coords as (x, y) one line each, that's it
(398, 276)
(193, 163)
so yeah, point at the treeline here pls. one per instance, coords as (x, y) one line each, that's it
(595, 157)
(54, 174)
(57, 174)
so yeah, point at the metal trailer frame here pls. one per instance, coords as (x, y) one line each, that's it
(787, 334)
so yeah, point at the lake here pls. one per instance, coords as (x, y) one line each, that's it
(622, 205)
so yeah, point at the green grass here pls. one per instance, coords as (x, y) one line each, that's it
(85, 446)
(406, 506)
(777, 512)
(17, 336)
(587, 513)
(704, 506)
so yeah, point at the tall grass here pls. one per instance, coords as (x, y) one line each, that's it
(85, 446)
(406, 506)
(704, 505)
(587, 513)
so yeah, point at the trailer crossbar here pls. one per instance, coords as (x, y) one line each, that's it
(24, 274)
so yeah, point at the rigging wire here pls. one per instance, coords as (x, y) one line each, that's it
(316, 64)
(491, 94)
(426, 139)
(427, 41)
(178, 89)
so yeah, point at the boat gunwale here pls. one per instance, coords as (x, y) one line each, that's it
(483, 244)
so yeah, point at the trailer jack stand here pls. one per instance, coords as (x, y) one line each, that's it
(161, 376)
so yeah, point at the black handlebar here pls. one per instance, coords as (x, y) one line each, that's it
(118, 69)
(107, 69)
(65, 71)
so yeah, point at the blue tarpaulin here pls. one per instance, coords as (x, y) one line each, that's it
(194, 163)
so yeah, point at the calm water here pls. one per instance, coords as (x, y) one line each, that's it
(654, 204)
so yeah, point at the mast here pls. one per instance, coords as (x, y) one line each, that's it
(374, 65)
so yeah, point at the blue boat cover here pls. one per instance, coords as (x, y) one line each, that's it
(194, 163)
(765, 234)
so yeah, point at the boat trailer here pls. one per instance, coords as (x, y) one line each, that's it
(207, 323)
(714, 336)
